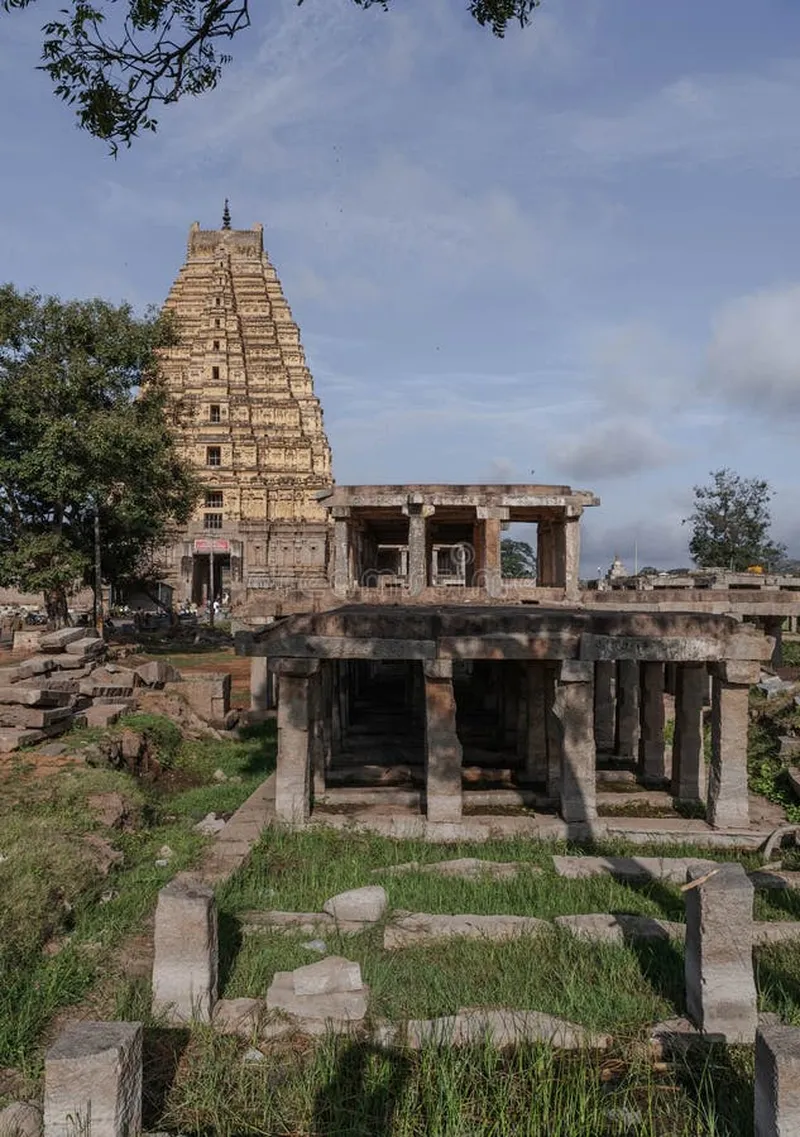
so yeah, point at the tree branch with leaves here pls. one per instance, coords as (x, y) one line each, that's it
(731, 524)
(116, 61)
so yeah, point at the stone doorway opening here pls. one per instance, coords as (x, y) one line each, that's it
(204, 589)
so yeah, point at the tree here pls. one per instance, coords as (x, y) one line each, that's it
(84, 427)
(115, 72)
(517, 559)
(731, 523)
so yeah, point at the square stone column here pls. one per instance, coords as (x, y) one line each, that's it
(186, 952)
(93, 1081)
(651, 721)
(627, 742)
(260, 684)
(720, 984)
(490, 569)
(546, 571)
(442, 747)
(688, 764)
(574, 709)
(777, 1097)
(572, 552)
(418, 558)
(293, 773)
(728, 804)
(536, 750)
(341, 550)
(604, 706)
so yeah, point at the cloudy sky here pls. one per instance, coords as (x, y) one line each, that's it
(575, 251)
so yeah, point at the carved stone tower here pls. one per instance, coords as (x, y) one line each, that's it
(251, 424)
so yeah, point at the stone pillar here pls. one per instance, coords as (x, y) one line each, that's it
(185, 961)
(293, 773)
(418, 559)
(651, 719)
(93, 1081)
(627, 742)
(260, 684)
(604, 706)
(688, 764)
(773, 626)
(777, 1096)
(574, 709)
(318, 718)
(546, 555)
(536, 750)
(728, 804)
(572, 552)
(341, 550)
(442, 747)
(555, 748)
(720, 986)
(490, 519)
(511, 701)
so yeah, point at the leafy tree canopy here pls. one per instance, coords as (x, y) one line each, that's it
(76, 434)
(517, 558)
(115, 61)
(731, 523)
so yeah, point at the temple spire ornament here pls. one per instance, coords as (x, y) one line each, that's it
(226, 216)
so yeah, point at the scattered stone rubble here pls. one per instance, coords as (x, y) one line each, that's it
(69, 681)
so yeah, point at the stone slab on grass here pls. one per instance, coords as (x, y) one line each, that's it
(309, 923)
(422, 927)
(316, 1014)
(333, 974)
(634, 870)
(463, 868)
(504, 1027)
(363, 905)
(620, 928)
(238, 1016)
(156, 673)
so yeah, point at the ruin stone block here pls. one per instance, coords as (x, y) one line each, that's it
(59, 641)
(728, 801)
(185, 964)
(777, 1082)
(720, 984)
(93, 1081)
(88, 645)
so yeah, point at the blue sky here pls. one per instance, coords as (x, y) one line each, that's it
(575, 251)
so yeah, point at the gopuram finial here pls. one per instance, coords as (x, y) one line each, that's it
(226, 216)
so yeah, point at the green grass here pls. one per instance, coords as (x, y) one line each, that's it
(350, 1089)
(51, 889)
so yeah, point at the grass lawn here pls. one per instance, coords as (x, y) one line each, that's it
(61, 917)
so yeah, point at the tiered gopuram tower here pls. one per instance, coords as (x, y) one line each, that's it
(251, 424)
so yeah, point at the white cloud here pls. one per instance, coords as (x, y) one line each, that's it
(751, 119)
(754, 355)
(614, 448)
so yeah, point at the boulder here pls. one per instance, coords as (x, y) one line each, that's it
(110, 809)
(238, 1016)
(20, 1119)
(210, 825)
(362, 905)
(156, 673)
